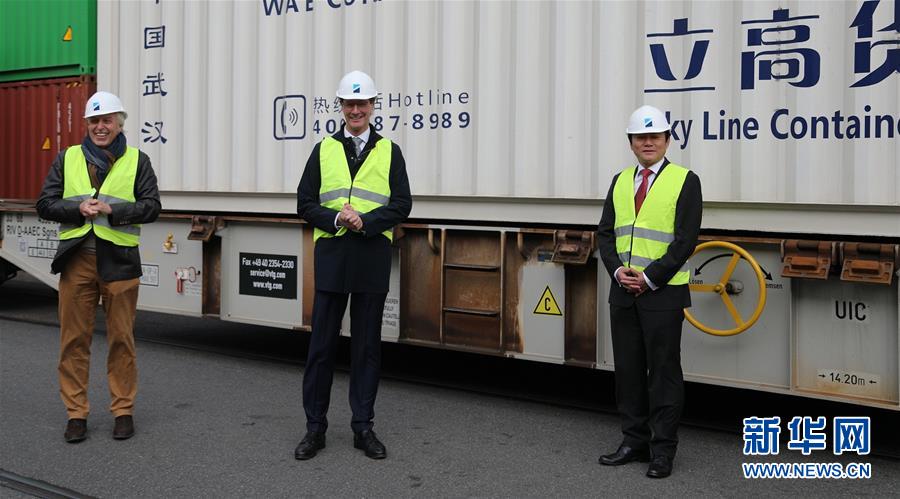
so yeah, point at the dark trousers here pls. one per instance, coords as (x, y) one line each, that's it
(649, 381)
(366, 310)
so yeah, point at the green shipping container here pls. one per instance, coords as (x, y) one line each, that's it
(42, 39)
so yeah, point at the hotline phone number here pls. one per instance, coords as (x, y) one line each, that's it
(416, 121)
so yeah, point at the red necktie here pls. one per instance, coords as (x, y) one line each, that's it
(641, 193)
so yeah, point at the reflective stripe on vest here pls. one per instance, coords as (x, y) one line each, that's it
(370, 188)
(640, 242)
(117, 188)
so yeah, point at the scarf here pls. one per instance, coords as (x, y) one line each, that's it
(103, 157)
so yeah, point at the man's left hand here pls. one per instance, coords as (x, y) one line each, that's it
(103, 207)
(641, 284)
(350, 218)
(633, 281)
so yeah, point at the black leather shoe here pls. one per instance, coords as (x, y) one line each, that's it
(312, 443)
(625, 455)
(76, 430)
(660, 467)
(367, 441)
(124, 428)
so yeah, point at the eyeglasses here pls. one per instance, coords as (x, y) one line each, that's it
(350, 104)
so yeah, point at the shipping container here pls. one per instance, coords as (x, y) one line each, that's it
(41, 39)
(511, 116)
(515, 111)
(40, 118)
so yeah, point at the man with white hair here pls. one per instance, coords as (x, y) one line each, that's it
(100, 192)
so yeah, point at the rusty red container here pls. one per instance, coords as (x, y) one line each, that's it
(39, 118)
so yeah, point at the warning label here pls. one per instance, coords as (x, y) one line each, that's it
(391, 315)
(149, 275)
(36, 238)
(547, 305)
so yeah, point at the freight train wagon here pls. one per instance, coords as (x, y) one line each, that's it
(511, 116)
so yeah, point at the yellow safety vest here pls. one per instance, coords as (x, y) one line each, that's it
(641, 241)
(370, 188)
(117, 187)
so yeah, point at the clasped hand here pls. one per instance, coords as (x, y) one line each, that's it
(632, 280)
(350, 218)
(91, 207)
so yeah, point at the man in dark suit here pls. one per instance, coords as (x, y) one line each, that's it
(353, 191)
(648, 230)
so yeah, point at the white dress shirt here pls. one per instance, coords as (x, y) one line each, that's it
(363, 136)
(638, 177)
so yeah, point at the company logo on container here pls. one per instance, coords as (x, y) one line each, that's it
(648, 122)
(356, 87)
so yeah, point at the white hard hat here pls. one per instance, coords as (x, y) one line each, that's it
(356, 85)
(103, 103)
(648, 119)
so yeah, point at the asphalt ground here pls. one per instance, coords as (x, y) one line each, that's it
(219, 424)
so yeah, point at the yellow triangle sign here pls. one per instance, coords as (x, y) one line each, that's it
(46, 146)
(68, 36)
(547, 305)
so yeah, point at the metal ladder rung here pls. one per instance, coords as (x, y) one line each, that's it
(473, 311)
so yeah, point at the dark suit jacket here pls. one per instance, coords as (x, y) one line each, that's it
(354, 262)
(688, 212)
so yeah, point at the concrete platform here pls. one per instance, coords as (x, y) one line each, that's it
(216, 426)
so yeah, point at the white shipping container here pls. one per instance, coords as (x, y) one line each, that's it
(515, 111)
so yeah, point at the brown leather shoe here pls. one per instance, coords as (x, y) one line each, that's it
(124, 428)
(76, 430)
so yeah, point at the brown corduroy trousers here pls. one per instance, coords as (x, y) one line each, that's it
(80, 288)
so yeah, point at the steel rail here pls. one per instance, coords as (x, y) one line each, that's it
(37, 488)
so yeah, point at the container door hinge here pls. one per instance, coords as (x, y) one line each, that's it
(204, 227)
(570, 246)
(869, 262)
(808, 259)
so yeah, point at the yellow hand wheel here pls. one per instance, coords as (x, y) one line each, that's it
(722, 288)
